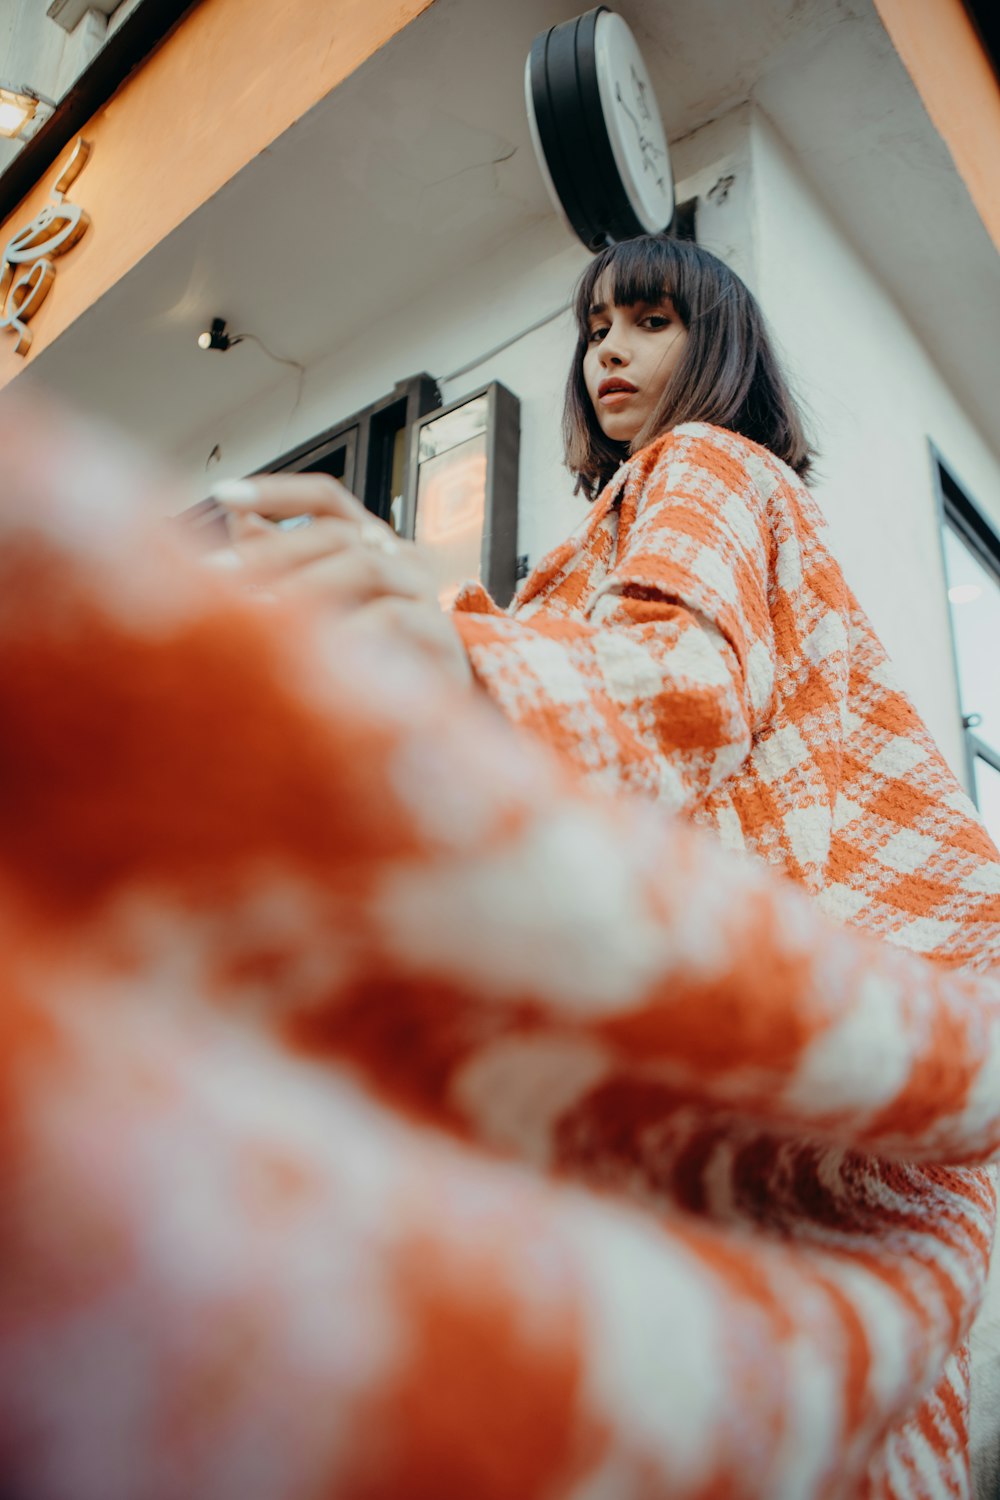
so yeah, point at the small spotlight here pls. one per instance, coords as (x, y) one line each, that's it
(216, 336)
(22, 109)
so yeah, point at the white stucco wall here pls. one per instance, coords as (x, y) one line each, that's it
(872, 393)
(874, 397)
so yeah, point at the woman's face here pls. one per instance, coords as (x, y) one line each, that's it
(631, 354)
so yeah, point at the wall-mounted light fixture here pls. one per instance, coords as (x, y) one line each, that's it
(22, 110)
(216, 337)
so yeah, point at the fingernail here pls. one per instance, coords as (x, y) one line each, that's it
(235, 492)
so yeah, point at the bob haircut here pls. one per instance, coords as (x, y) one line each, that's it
(727, 375)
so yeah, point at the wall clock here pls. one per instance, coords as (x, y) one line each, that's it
(597, 131)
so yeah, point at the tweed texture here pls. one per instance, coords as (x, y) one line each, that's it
(696, 642)
(383, 1114)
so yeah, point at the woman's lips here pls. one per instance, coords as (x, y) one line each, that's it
(614, 392)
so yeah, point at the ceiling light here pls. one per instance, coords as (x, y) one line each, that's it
(18, 108)
(964, 593)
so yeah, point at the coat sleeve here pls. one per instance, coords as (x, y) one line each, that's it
(661, 684)
(225, 1277)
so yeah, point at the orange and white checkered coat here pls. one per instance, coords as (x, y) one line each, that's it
(696, 642)
(382, 1115)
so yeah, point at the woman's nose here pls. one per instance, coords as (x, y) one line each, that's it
(613, 352)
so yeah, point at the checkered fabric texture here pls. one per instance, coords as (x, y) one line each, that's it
(383, 1113)
(696, 642)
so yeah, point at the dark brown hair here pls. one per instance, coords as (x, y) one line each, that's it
(727, 375)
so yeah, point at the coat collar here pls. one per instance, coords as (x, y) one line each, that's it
(553, 563)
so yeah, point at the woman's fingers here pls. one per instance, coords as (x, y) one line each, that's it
(345, 558)
(278, 496)
(353, 566)
(352, 577)
(245, 526)
(253, 503)
(268, 552)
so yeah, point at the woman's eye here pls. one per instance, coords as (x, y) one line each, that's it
(656, 320)
(595, 335)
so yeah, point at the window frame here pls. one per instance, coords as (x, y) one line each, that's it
(958, 511)
(368, 434)
(498, 557)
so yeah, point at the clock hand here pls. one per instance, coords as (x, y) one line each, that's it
(647, 147)
(639, 89)
(621, 100)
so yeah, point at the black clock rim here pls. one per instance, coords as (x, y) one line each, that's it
(574, 136)
(550, 136)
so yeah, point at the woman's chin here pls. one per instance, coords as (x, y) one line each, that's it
(621, 431)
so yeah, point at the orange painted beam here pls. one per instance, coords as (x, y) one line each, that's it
(232, 78)
(943, 55)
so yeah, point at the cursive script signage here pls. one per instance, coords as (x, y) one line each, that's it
(53, 231)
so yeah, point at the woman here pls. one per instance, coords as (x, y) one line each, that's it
(696, 642)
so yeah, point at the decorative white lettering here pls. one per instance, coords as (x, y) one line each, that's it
(54, 230)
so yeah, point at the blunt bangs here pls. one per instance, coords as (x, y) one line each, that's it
(640, 270)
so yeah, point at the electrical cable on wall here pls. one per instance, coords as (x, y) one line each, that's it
(217, 337)
(499, 348)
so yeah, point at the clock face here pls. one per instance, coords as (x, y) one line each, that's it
(634, 127)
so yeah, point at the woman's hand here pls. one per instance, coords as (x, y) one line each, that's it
(424, 627)
(345, 559)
